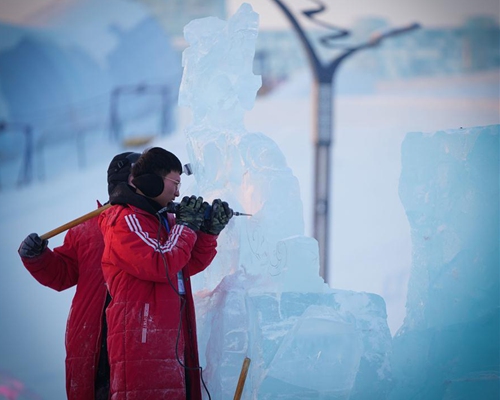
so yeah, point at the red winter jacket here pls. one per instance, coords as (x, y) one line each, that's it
(77, 262)
(145, 346)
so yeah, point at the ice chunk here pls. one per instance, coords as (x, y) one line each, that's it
(448, 346)
(322, 343)
(218, 83)
(302, 345)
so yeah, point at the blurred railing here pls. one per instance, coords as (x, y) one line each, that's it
(26, 138)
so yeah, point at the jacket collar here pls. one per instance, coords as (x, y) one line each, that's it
(125, 194)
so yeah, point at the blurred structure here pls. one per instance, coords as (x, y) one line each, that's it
(473, 47)
(59, 77)
(26, 170)
(174, 15)
(325, 53)
(63, 91)
(161, 92)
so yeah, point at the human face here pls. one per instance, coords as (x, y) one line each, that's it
(171, 186)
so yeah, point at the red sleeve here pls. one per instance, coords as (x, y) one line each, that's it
(203, 252)
(57, 269)
(134, 246)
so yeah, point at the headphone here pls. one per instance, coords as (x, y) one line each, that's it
(150, 184)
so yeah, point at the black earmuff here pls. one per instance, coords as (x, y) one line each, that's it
(150, 184)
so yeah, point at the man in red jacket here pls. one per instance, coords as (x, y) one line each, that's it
(149, 257)
(78, 262)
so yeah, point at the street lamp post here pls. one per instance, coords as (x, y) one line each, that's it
(323, 124)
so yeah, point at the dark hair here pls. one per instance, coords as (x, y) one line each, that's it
(119, 168)
(150, 169)
(157, 161)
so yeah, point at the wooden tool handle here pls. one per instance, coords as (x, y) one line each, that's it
(241, 380)
(75, 222)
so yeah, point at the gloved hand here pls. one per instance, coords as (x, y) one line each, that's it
(32, 246)
(191, 212)
(219, 217)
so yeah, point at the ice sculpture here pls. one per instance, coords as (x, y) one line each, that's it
(262, 297)
(448, 346)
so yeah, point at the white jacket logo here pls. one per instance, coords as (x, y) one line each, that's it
(145, 323)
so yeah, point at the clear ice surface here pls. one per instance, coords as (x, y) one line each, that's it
(262, 297)
(448, 346)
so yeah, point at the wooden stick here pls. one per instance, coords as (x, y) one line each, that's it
(75, 222)
(241, 380)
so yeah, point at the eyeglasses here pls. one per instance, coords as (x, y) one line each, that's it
(177, 183)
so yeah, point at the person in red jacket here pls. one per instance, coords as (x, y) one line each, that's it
(78, 263)
(149, 256)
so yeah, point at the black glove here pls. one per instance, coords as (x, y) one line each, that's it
(32, 246)
(191, 212)
(219, 217)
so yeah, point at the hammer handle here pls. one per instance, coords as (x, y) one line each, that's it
(241, 380)
(75, 222)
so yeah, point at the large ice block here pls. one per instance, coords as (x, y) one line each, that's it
(302, 345)
(448, 346)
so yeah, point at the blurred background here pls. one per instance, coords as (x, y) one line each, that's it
(81, 80)
(78, 70)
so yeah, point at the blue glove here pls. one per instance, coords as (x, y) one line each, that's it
(219, 217)
(191, 212)
(32, 246)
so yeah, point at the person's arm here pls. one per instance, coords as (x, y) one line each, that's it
(56, 269)
(204, 251)
(133, 245)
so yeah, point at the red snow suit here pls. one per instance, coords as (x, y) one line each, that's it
(147, 342)
(77, 262)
